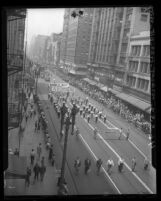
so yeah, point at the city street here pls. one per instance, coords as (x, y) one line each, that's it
(79, 101)
(107, 145)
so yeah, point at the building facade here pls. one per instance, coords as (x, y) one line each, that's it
(39, 46)
(63, 47)
(112, 29)
(15, 64)
(77, 35)
(138, 69)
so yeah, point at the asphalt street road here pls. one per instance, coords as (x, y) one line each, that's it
(107, 145)
(77, 184)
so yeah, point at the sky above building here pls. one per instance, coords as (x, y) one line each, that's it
(44, 21)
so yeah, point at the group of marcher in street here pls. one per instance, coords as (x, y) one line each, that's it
(115, 104)
(109, 165)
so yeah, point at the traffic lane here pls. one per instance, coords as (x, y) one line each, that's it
(87, 126)
(125, 150)
(140, 139)
(135, 136)
(83, 183)
(126, 182)
(91, 183)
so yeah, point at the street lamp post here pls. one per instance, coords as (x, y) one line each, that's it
(63, 111)
(74, 111)
(61, 179)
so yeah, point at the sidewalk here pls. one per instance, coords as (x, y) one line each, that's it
(29, 141)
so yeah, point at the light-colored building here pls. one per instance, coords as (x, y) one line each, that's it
(138, 68)
(39, 49)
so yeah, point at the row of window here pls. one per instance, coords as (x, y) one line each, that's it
(141, 84)
(136, 50)
(144, 67)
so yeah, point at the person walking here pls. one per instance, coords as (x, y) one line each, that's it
(42, 171)
(39, 150)
(87, 164)
(120, 134)
(128, 134)
(36, 170)
(88, 118)
(133, 164)
(95, 132)
(120, 164)
(146, 163)
(53, 159)
(36, 125)
(50, 152)
(96, 118)
(104, 118)
(77, 164)
(42, 161)
(110, 164)
(98, 165)
(32, 156)
(28, 174)
(26, 116)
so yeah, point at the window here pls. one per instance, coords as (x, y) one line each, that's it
(135, 50)
(131, 81)
(144, 17)
(144, 67)
(143, 84)
(133, 66)
(122, 60)
(146, 51)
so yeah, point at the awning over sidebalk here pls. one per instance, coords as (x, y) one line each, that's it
(134, 101)
(90, 81)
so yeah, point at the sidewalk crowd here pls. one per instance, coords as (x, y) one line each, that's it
(137, 118)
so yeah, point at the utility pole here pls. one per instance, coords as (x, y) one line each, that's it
(61, 179)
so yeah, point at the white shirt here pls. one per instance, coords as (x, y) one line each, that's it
(110, 162)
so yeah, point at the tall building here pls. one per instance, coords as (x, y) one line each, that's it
(63, 47)
(76, 41)
(112, 29)
(39, 48)
(138, 68)
(15, 64)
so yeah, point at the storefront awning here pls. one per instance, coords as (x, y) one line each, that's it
(134, 101)
(114, 91)
(16, 166)
(90, 81)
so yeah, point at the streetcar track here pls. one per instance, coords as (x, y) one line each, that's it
(57, 135)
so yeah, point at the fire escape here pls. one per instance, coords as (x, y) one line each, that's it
(15, 65)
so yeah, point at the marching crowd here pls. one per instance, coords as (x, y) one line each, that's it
(89, 111)
(113, 103)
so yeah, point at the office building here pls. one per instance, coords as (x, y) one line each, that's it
(77, 36)
(112, 29)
